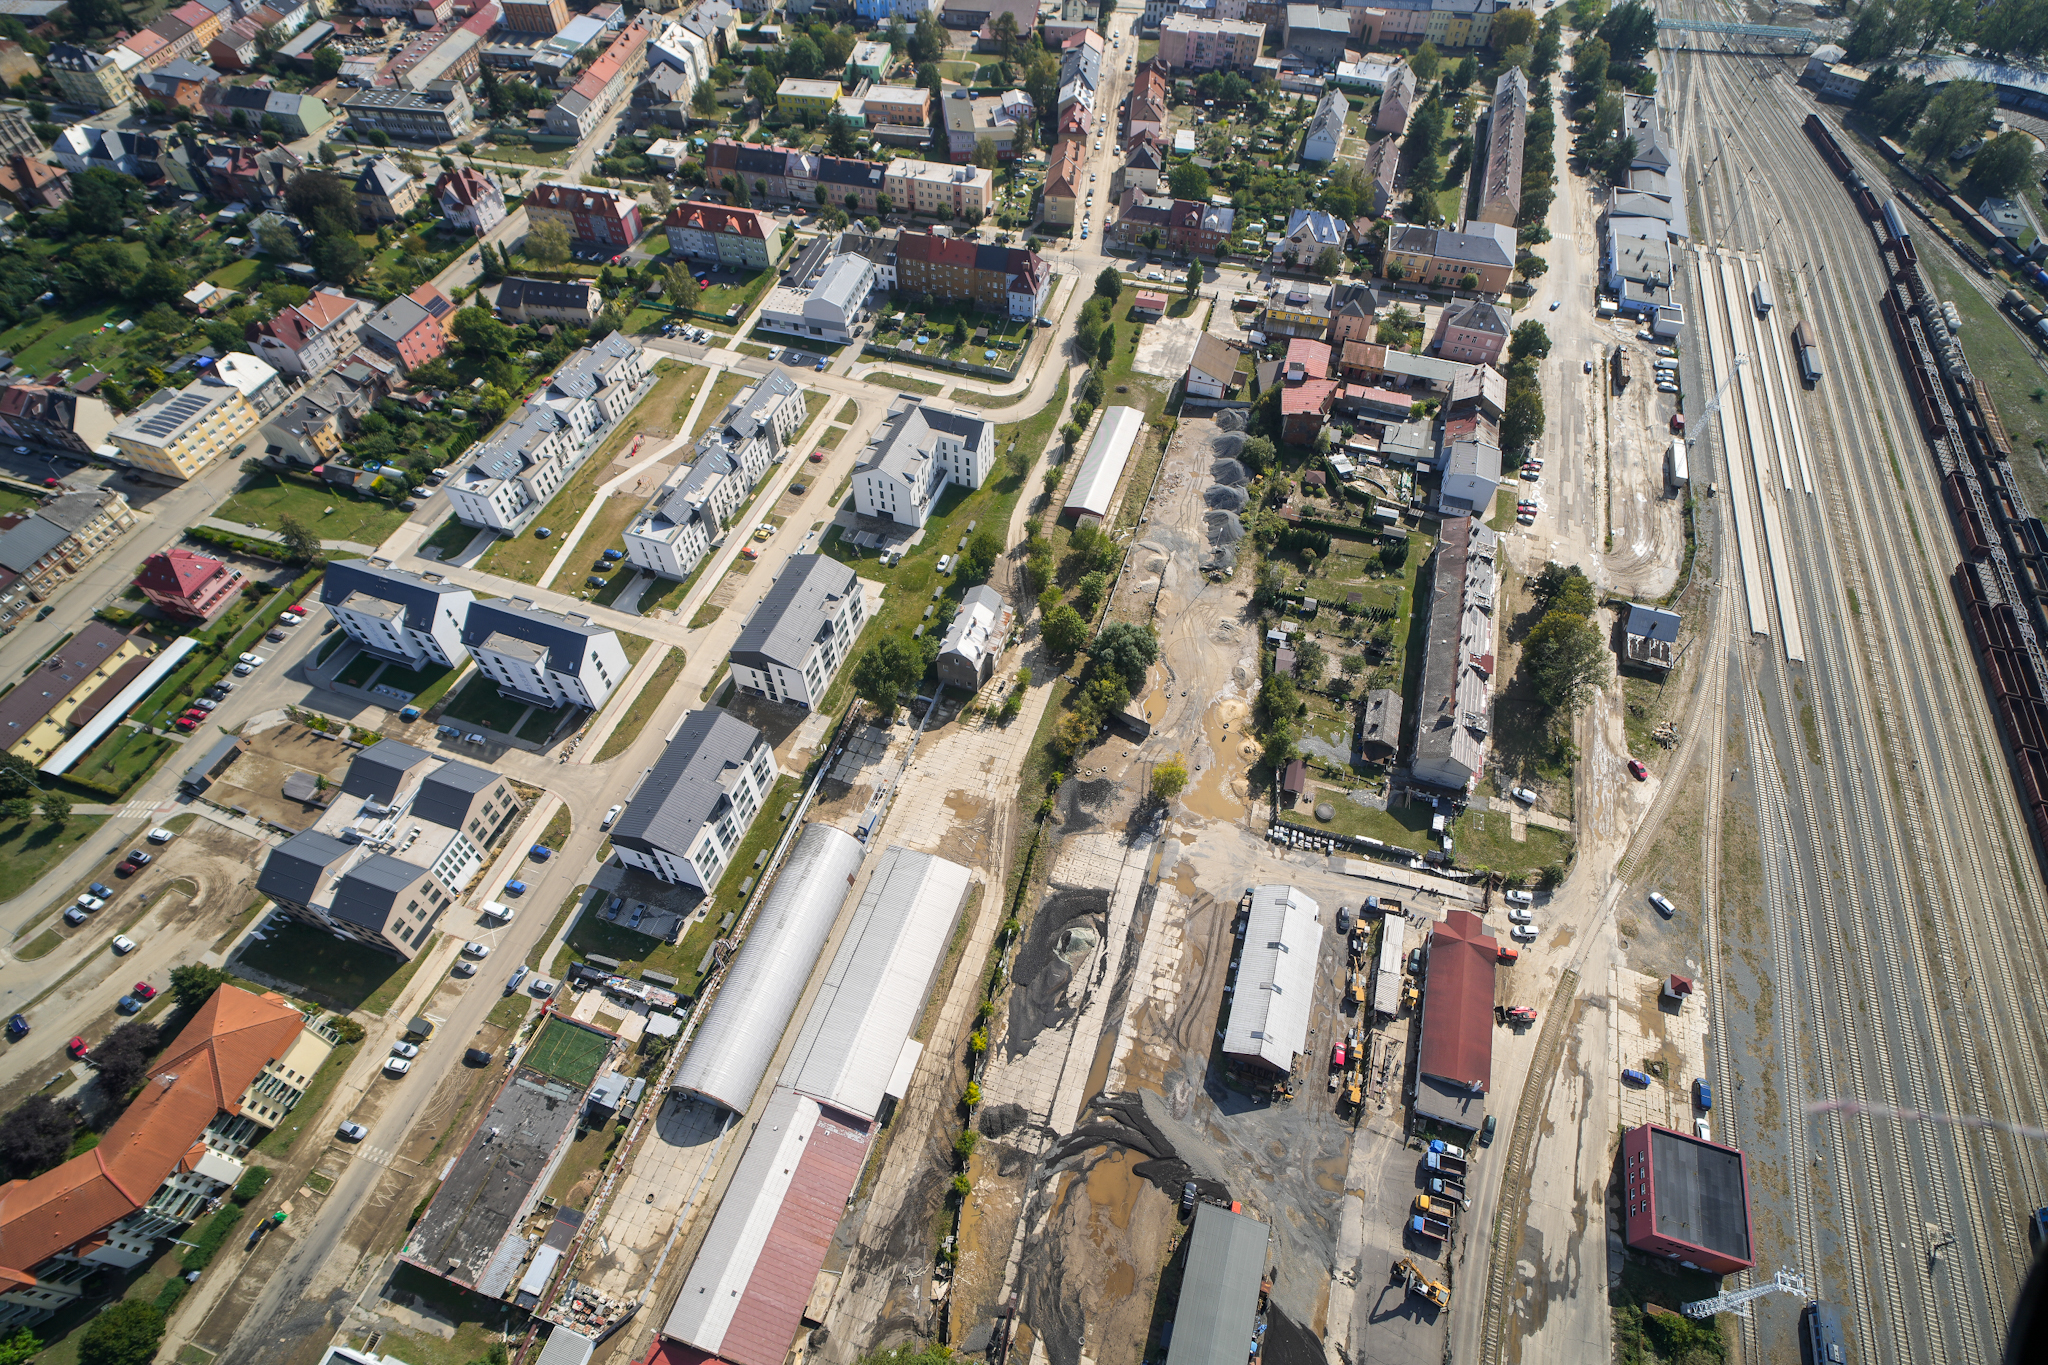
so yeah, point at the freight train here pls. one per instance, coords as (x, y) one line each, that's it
(2002, 582)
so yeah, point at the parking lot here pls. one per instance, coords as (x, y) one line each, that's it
(1663, 1037)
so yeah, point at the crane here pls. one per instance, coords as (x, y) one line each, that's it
(1784, 1282)
(1714, 403)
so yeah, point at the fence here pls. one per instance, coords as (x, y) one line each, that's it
(956, 366)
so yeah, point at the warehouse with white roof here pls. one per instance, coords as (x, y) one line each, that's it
(730, 1055)
(1276, 979)
(1095, 486)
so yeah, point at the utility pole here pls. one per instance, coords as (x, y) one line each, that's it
(1714, 403)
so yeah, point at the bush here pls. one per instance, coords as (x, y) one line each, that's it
(126, 1334)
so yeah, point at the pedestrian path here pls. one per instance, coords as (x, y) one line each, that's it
(236, 528)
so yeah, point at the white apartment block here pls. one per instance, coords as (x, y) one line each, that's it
(803, 630)
(916, 453)
(928, 187)
(544, 657)
(688, 816)
(409, 618)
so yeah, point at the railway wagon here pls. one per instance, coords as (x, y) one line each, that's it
(1895, 221)
(1824, 138)
(1808, 353)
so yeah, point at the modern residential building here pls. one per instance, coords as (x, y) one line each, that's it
(415, 619)
(1455, 706)
(411, 329)
(742, 239)
(1007, 280)
(1443, 256)
(425, 116)
(1188, 44)
(918, 450)
(68, 688)
(806, 99)
(831, 307)
(1276, 983)
(599, 89)
(1397, 102)
(188, 586)
(998, 119)
(394, 851)
(49, 415)
(230, 1076)
(385, 193)
(574, 301)
(95, 79)
(1326, 129)
(1506, 130)
(543, 657)
(674, 531)
(938, 190)
(595, 217)
(179, 432)
(800, 633)
(897, 106)
(688, 816)
(470, 199)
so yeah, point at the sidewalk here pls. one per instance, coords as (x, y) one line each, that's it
(258, 533)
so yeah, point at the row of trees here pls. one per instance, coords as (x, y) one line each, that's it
(1936, 125)
(1884, 29)
(1521, 422)
(1563, 655)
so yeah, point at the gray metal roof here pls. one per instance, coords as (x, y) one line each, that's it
(566, 640)
(374, 774)
(215, 752)
(908, 440)
(1652, 622)
(520, 292)
(447, 793)
(292, 871)
(369, 892)
(395, 320)
(746, 1022)
(419, 596)
(684, 788)
(1219, 1290)
(28, 544)
(798, 610)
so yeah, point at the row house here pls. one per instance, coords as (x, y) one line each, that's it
(53, 416)
(1184, 225)
(313, 426)
(177, 85)
(594, 217)
(1506, 130)
(255, 176)
(1009, 281)
(575, 301)
(165, 165)
(296, 116)
(1149, 100)
(743, 239)
(30, 184)
(598, 90)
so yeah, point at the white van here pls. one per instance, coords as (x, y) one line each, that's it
(945, 563)
(498, 911)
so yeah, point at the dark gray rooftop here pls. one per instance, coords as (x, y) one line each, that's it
(22, 548)
(796, 612)
(565, 640)
(420, 597)
(292, 871)
(520, 292)
(1219, 1295)
(1652, 622)
(684, 790)
(1702, 1194)
(369, 892)
(374, 774)
(446, 793)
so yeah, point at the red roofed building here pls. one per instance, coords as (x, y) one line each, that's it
(1306, 360)
(1183, 225)
(31, 184)
(1454, 1063)
(732, 236)
(1008, 280)
(190, 586)
(1304, 408)
(228, 1078)
(594, 217)
(1149, 302)
(470, 199)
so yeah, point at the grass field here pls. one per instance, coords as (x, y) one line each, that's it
(847, 413)
(124, 757)
(644, 706)
(566, 1052)
(28, 848)
(2010, 367)
(451, 538)
(723, 392)
(923, 387)
(479, 703)
(720, 297)
(11, 501)
(268, 499)
(237, 274)
(43, 345)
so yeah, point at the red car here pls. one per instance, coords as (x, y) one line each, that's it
(144, 991)
(128, 868)
(185, 722)
(1337, 1057)
(77, 1048)
(817, 457)
(1637, 770)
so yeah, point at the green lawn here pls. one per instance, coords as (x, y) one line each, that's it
(720, 297)
(43, 345)
(338, 973)
(539, 725)
(11, 501)
(666, 594)
(329, 513)
(451, 538)
(923, 387)
(722, 393)
(480, 704)
(238, 275)
(28, 848)
(414, 680)
(644, 706)
(123, 758)
(360, 670)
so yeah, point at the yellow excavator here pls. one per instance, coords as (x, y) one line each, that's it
(1418, 1283)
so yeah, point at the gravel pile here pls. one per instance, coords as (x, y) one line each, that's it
(1230, 472)
(1226, 445)
(1226, 497)
(1222, 528)
(1230, 419)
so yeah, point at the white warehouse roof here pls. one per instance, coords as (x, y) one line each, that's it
(737, 1040)
(847, 1053)
(1276, 978)
(1095, 485)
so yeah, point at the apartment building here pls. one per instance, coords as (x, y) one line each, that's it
(1006, 280)
(542, 657)
(411, 330)
(42, 548)
(470, 199)
(686, 820)
(897, 106)
(414, 619)
(806, 99)
(1473, 331)
(1326, 129)
(936, 190)
(188, 586)
(1506, 130)
(1185, 225)
(574, 301)
(799, 634)
(1188, 44)
(44, 413)
(394, 851)
(96, 79)
(743, 239)
(1485, 251)
(179, 432)
(916, 453)
(1066, 182)
(605, 219)
(973, 119)
(536, 16)
(598, 90)
(306, 338)
(420, 116)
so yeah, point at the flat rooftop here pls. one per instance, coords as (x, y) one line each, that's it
(1700, 1194)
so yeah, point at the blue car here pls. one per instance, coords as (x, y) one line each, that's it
(515, 888)
(1635, 1077)
(104, 893)
(17, 1026)
(1701, 1094)
(129, 1005)
(541, 853)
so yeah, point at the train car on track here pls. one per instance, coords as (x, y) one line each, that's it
(1807, 352)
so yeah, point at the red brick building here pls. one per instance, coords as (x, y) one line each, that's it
(189, 586)
(1183, 225)
(1008, 280)
(609, 219)
(1687, 1199)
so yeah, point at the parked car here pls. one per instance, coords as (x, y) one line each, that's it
(74, 916)
(161, 836)
(817, 457)
(90, 902)
(477, 949)
(351, 1132)
(477, 1056)
(77, 1048)
(205, 704)
(463, 967)
(541, 986)
(1522, 915)
(595, 582)
(1702, 1093)
(274, 636)
(186, 722)
(1635, 1077)
(139, 858)
(609, 817)
(541, 533)
(144, 991)
(515, 888)
(1663, 904)
(1486, 1130)
(127, 1004)
(123, 945)
(100, 889)
(1415, 962)
(1526, 933)
(408, 506)
(396, 1066)
(17, 1026)
(241, 670)
(253, 660)
(1637, 770)
(518, 975)
(1518, 897)
(1524, 795)
(405, 1049)
(540, 853)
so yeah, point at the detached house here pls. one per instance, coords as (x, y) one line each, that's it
(188, 586)
(411, 330)
(600, 218)
(306, 338)
(470, 199)
(385, 193)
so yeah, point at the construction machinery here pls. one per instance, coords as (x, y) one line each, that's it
(1420, 1284)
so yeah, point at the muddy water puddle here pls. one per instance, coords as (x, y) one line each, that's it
(1218, 791)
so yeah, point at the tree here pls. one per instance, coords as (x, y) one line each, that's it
(123, 1057)
(1188, 181)
(839, 133)
(323, 201)
(160, 282)
(1064, 630)
(125, 1334)
(105, 269)
(681, 288)
(984, 548)
(2007, 162)
(1109, 283)
(885, 668)
(1566, 660)
(101, 198)
(802, 58)
(704, 99)
(1512, 28)
(195, 984)
(1309, 663)
(761, 86)
(927, 40)
(1522, 420)
(20, 1347)
(1090, 589)
(1194, 280)
(1329, 261)
(1629, 30)
(1256, 454)
(1169, 779)
(1126, 649)
(1953, 118)
(1105, 347)
(1589, 70)
(1426, 62)
(337, 256)
(482, 336)
(36, 1134)
(1531, 341)
(301, 546)
(1463, 74)
(548, 243)
(1532, 267)
(55, 808)
(1394, 554)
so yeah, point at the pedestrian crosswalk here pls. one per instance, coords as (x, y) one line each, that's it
(142, 810)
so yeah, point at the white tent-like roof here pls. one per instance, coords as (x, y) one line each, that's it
(1276, 978)
(1096, 484)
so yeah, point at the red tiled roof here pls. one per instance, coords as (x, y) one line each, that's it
(469, 186)
(201, 1075)
(1309, 396)
(628, 44)
(1312, 356)
(1457, 1004)
(708, 217)
(1149, 303)
(178, 572)
(1295, 779)
(324, 307)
